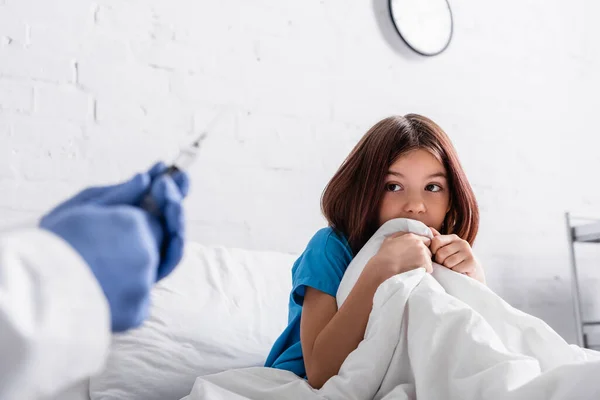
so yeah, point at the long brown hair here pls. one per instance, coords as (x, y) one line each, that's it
(352, 198)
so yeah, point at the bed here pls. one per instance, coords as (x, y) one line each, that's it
(431, 336)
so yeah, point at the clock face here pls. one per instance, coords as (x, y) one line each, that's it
(424, 25)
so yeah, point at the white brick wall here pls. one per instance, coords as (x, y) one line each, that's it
(92, 91)
(63, 102)
(16, 97)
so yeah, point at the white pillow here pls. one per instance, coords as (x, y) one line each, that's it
(220, 309)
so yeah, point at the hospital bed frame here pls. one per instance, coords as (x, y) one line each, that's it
(588, 232)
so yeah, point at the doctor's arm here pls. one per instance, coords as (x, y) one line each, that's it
(52, 311)
(86, 271)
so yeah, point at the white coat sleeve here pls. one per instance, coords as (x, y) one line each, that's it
(54, 318)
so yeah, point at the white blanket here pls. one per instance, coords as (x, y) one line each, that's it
(438, 336)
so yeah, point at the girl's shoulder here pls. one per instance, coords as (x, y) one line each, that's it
(329, 242)
(323, 262)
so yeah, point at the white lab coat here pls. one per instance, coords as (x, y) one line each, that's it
(54, 318)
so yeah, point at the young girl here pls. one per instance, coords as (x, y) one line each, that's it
(404, 167)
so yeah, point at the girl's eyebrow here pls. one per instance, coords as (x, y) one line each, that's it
(436, 175)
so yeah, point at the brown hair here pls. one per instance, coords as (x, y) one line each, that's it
(352, 198)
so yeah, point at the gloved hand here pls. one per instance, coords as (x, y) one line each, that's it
(121, 242)
(170, 239)
(119, 246)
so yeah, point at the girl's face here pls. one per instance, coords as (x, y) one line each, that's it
(416, 187)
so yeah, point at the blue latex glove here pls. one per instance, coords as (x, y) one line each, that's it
(172, 235)
(126, 248)
(119, 246)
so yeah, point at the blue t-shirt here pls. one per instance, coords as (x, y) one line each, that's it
(321, 266)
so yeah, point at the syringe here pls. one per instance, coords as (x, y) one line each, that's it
(187, 156)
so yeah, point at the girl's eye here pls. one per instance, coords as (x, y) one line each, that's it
(433, 188)
(393, 187)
